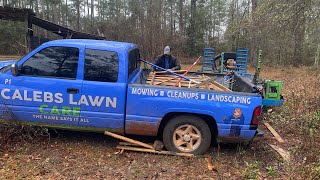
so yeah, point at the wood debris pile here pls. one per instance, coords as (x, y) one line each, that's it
(134, 145)
(204, 82)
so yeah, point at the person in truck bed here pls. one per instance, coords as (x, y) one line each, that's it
(167, 61)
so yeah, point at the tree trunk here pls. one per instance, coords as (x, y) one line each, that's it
(253, 44)
(53, 12)
(299, 30)
(232, 17)
(36, 7)
(181, 16)
(88, 9)
(78, 14)
(171, 18)
(48, 10)
(164, 14)
(66, 14)
(192, 28)
(92, 16)
(59, 13)
(317, 57)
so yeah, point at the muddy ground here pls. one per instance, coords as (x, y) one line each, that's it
(83, 155)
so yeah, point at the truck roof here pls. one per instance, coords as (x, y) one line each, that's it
(101, 44)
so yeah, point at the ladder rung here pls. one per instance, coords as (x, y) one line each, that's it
(242, 55)
(242, 49)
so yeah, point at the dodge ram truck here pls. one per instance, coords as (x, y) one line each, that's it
(99, 85)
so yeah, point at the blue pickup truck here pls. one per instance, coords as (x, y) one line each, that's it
(100, 86)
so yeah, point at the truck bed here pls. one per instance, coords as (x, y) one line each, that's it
(149, 103)
(208, 81)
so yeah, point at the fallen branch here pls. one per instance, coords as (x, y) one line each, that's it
(154, 151)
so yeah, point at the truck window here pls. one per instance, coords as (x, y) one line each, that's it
(60, 62)
(101, 66)
(134, 61)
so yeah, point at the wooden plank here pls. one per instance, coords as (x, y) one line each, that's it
(128, 144)
(158, 145)
(177, 71)
(207, 83)
(169, 77)
(274, 132)
(204, 81)
(163, 77)
(283, 153)
(128, 140)
(212, 86)
(160, 82)
(154, 151)
(221, 86)
(183, 84)
(153, 76)
(168, 82)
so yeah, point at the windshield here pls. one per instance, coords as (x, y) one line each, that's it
(5, 69)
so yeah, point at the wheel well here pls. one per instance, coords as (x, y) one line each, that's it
(208, 119)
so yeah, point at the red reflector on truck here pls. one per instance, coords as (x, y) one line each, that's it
(256, 115)
(255, 121)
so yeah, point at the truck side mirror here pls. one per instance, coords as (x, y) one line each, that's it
(14, 69)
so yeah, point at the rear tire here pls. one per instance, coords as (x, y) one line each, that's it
(187, 134)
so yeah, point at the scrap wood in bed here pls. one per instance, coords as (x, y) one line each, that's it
(165, 79)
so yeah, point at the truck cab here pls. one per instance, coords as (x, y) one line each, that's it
(78, 83)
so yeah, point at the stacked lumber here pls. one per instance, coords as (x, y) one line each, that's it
(203, 82)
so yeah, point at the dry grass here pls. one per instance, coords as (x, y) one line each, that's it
(299, 118)
(78, 155)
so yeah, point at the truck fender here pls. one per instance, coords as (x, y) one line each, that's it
(208, 118)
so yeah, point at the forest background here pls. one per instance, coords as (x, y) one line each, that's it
(286, 30)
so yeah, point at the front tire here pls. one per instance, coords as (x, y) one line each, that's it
(187, 134)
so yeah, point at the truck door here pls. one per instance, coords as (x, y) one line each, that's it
(103, 90)
(46, 86)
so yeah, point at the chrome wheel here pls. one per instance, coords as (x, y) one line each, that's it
(187, 138)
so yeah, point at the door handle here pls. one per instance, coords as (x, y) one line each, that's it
(72, 90)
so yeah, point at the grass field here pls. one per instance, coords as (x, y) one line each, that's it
(82, 155)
